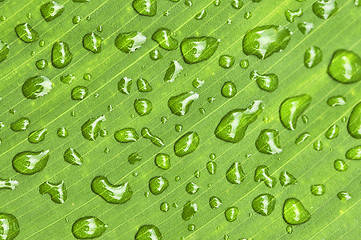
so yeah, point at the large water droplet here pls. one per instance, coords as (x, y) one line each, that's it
(332, 132)
(235, 173)
(162, 160)
(4, 50)
(291, 108)
(130, 41)
(180, 104)
(345, 66)
(294, 212)
(88, 228)
(51, 10)
(91, 128)
(261, 174)
(336, 101)
(340, 165)
(143, 106)
(287, 179)
(143, 85)
(9, 226)
(312, 57)
(226, 61)
(303, 137)
(37, 136)
(26, 33)
(20, 124)
(8, 184)
(344, 196)
(215, 202)
(198, 49)
(324, 9)
(145, 7)
(165, 39)
(92, 42)
(268, 142)
(231, 214)
(186, 144)
(116, 194)
(305, 27)
(318, 189)
(172, 71)
(29, 162)
(354, 153)
(267, 82)
(211, 167)
(291, 15)
(79, 93)
(354, 122)
(61, 55)
(158, 184)
(126, 135)
(73, 157)
(148, 232)
(154, 139)
(229, 89)
(264, 204)
(56, 191)
(189, 210)
(36, 87)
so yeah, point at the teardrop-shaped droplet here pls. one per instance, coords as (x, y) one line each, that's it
(37, 136)
(336, 101)
(215, 202)
(91, 128)
(126, 135)
(51, 10)
(201, 15)
(165, 39)
(354, 122)
(287, 179)
(303, 137)
(312, 57)
(211, 167)
(116, 194)
(332, 132)
(20, 124)
(162, 160)
(264, 204)
(130, 41)
(145, 7)
(9, 226)
(158, 184)
(88, 228)
(192, 188)
(79, 93)
(261, 174)
(172, 71)
(235, 173)
(292, 108)
(198, 49)
(61, 55)
(268, 142)
(29, 162)
(229, 89)
(57, 191)
(73, 157)
(36, 87)
(343, 196)
(143, 106)
(143, 85)
(153, 138)
(294, 212)
(324, 9)
(180, 104)
(226, 61)
(345, 66)
(189, 210)
(232, 127)
(186, 144)
(231, 214)
(266, 40)
(26, 33)
(318, 189)
(267, 82)
(148, 232)
(92, 42)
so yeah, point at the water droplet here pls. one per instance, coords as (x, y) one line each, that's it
(158, 184)
(266, 40)
(177, 178)
(124, 85)
(115, 194)
(134, 157)
(76, 19)
(332, 132)
(312, 57)
(287, 179)
(41, 64)
(198, 49)
(57, 191)
(197, 83)
(164, 207)
(61, 55)
(186, 144)
(291, 15)
(79, 93)
(88, 228)
(318, 145)
(91, 128)
(244, 63)
(92, 42)
(215, 202)
(261, 174)
(8, 184)
(163, 119)
(233, 125)
(237, 4)
(247, 15)
(229, 89)
(294, 212)
(344, 196)
(188, 3)
(73, 157)
(172, 71)
(226, 61)
(305, 27)
(340, 165)
(164, 37)
(155, 55)
(143, 106)
(231, 214)
(9, 226)
(235, 173)
(162, 160)
(36, 87)
(264, 204)
(217, 2)
(212, 156)
(268, 142)
(148, 232)
(178, 127)
(37, 136)
(29, 162)
(303, 137)
(324, 9)
(292, 108)
(354, 153)
(26, 33)
(20, 124)
(154, 139)
(189, 210)
(211, 167)
(336, 101)
(354, 122)
(267, 82)
(145, 7)
(202, 14)
(130, 41)
(143, 85)
(126, 135)
(180, 104)
(51, 10)
(67, 79)
(4, 50)
(318, 189)
(357, 3)
(289, 229)
(345, 66)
